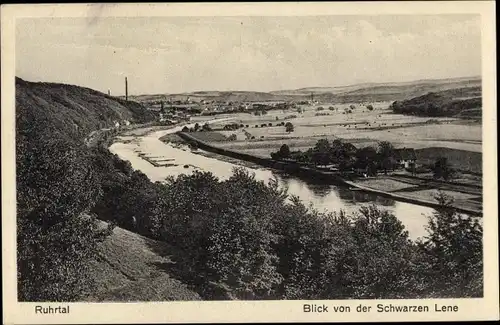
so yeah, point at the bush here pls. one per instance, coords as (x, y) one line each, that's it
(452, 253)
(254, 241)
(56, 188)
(223, 231)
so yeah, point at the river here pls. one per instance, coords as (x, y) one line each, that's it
(322, 197)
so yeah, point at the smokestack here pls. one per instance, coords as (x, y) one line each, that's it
(126, 89)
(109, 93)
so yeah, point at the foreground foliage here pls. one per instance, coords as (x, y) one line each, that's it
(245, 239)
(56, 238)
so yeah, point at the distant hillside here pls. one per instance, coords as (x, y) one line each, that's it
(455, 102)
(74, 111)
(391, 91)
(364, 92)
(222, 96)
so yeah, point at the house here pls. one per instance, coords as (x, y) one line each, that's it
(405, 157)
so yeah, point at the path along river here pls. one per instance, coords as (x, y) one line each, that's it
(322, 197)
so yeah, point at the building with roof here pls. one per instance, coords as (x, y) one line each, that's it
(405, 157)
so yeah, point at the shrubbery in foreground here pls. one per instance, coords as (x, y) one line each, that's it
(254, 241)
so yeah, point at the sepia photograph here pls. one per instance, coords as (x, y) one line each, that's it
(251, 157)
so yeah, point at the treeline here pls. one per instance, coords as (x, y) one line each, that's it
(344, 155)
(197, 128)
(435, 104)
(244, 239)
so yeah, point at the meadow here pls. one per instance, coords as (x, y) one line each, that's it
(362, 127)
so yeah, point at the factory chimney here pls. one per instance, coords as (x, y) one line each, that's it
(109, 92)
(126, 89)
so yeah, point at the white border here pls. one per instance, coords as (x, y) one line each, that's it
(254, 311)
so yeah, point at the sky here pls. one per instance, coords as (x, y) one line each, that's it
(184, 54)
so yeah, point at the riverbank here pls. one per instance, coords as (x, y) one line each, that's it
(423, 195)
(419, 194)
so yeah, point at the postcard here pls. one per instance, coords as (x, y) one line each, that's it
(249, 162)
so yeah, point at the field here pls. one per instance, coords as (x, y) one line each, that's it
(461, 139)
(463, 196)
(388, 185)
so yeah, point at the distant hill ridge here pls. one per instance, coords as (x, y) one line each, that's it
(364, 92)
(464, 102)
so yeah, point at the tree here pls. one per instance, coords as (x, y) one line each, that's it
(369, 107)
(381, 257)
(289, 127)
(284, 151)
(206, 127)
(366, 159)
(196, 127)
(223, 227)
(322, 145)
(385, 153)
(442, 169)
(56, 237)
(321, 152)
(452, 260)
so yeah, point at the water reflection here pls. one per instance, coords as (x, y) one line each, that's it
(363, 197)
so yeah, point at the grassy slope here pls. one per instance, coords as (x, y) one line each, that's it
(461, 159)
(74, 111)
(132, 268)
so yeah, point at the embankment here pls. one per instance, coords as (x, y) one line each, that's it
(288, 167)
(406, 199)
(304, 171)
